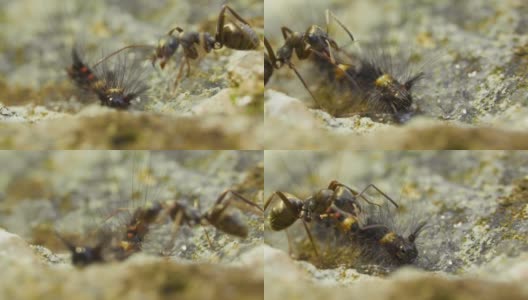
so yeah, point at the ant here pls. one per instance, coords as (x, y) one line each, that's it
(143, 217)
(181, 214)
(334, 201)
(313, 40)
(235, 35)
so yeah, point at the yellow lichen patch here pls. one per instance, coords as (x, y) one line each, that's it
(411, 191)
(518, 195)
(146, 177)
(426, 40)
(101, 29)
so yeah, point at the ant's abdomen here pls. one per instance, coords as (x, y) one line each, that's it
(281, 217)
(232, 225)
(242, 37)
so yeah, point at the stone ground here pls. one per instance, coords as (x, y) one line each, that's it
(473, 52)
(218, 106)
(73, 193)
(475, 245)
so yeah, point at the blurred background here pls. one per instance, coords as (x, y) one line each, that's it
(81, 193)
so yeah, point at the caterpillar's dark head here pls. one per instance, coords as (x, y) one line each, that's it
(114, 97)
(82, 256)
(403, 249)
(395, 94)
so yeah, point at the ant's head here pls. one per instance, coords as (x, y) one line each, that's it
(319, 40)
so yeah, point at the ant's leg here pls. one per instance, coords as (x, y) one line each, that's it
(336, 184)
(188, 67)
(180, 72)
(235, 14)
(379, 191)
(207, 236)
(331, 14)
(331, 54)
(284, 199)
(304, 83)
(223, 198)
(176, 223)
(271, 53)
(286, 31)
(311, 240)
(309, 236)
(219, 35)
(223, 202)
(177, 28)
